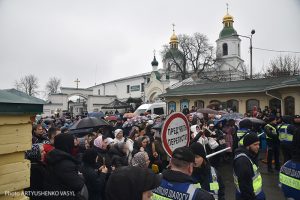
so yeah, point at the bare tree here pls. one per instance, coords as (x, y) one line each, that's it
(194, 54)
(27, 84)
(283, 66)
(53, 85)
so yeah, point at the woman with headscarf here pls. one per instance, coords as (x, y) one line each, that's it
(95, 176)
(63, 168)
(101, 145)
(140, 159)
(119, 136)
(205, 174)
(37, 168)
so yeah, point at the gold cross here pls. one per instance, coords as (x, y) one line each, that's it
(77, 81)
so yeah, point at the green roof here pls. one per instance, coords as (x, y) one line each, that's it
(227, 32)
(15, 102)
(242, 86)
(173, 52)
(158, 75)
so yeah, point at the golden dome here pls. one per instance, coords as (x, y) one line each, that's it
(174, 38)
(227, 18)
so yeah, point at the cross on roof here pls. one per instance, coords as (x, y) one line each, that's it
(227, 7)
(77, 81)
(173, 27)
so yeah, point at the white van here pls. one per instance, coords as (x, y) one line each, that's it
(154, 108)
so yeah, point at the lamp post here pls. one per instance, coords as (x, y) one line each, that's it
(250, 38)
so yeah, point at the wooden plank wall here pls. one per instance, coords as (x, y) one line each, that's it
(15, 139)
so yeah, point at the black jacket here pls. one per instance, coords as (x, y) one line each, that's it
(62, 174)
(175, 176)
(244, 171)
(202, 176)
(118, 158)
(95, 182)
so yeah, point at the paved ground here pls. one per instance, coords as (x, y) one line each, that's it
(270, 182)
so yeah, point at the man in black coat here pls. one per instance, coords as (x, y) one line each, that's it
(247, 178)
(63, 169)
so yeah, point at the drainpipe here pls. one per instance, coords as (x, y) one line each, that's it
(276, 98)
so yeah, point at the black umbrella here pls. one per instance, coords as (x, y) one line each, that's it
(89, 122)
(249, 122)
(116, 104)
(81, 132)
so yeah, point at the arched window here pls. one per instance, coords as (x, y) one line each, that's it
(274, 104)
(184, 103)
(289, 105)
(171, 107)
(250, 103)
(225, 49)
(239, 50)
(199, 104)
(233, 105)
(215, 104)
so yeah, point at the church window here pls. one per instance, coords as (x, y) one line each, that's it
(225, 49)
(233, 105)
(128, 88)
(143, 87)
(250, 103)
(98, 91)
(239, 51)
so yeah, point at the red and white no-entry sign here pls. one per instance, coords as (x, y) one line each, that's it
(175, 132)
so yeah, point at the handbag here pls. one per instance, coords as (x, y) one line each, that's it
(213, 144)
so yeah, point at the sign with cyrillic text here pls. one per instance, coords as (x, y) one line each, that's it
(175, 132)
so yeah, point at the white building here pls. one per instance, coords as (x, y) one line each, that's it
(148, 86)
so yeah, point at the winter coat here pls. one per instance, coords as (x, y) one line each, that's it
(95, 182)
(203, 176)
(62, 174)
(244, 171)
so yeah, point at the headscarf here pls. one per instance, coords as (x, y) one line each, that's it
(117, 131)
(34, 154)
(139, 160)
(64, 142)
(98, 142)
(89, 157)
(130, 183)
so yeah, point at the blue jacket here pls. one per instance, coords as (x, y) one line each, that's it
(289, 178)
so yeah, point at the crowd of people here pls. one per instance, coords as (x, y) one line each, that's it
(126, 160)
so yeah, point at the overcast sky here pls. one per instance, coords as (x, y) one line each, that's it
(99, 41)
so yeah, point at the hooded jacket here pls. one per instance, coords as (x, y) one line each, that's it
(63, 168)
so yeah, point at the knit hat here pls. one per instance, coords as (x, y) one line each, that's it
(139, 160)
(250, 139)
(184, 154)
(198, 149)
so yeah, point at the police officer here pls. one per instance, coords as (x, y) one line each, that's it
(246, 176)
(205, 174)
(285, 134)
(289, 176)
(273, 143)
(177, 182)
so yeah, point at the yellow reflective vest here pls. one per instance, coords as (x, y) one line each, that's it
(256, 179)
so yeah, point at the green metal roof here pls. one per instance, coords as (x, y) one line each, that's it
(158, 75)
(15, 102)
(242, 86)
(173, 52)
(227, 32)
